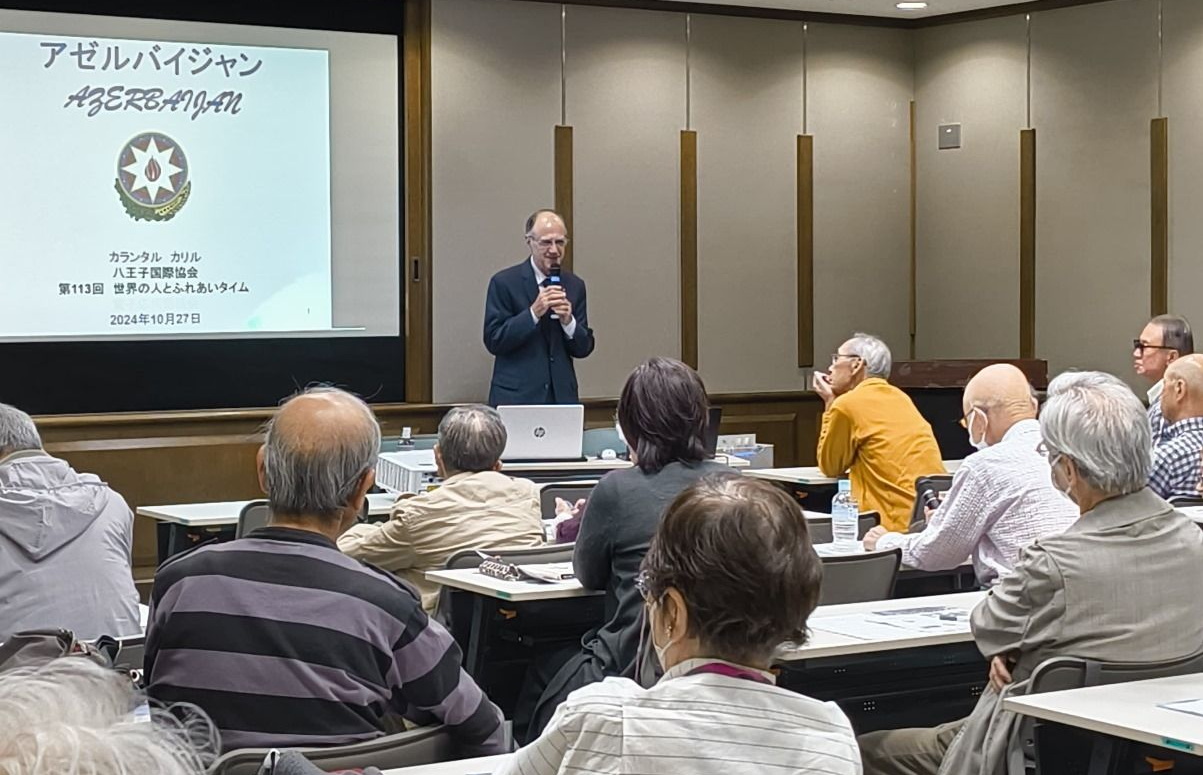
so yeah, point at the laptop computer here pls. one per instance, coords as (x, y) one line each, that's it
(543, 432)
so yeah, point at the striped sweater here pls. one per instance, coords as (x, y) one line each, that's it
(285, 641)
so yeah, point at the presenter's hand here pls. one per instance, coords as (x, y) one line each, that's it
(563, 308)
(546, 300)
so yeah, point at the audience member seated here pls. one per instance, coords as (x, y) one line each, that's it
(730, 575)
(1001, 497)
(1099, 590)
(71, 716)
(1164, 339)
(65, 543)
(1176, 469)
(476, 507)
(872, 430)
(284, 640)
(663, 412)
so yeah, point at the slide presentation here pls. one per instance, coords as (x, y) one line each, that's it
(164, 187)
(195, 180)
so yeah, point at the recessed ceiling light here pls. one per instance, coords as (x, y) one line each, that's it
(910, 6)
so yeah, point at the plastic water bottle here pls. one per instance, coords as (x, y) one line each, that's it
(845, 519)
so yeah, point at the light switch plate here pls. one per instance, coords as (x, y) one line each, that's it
(950, 136)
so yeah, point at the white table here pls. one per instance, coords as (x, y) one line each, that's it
(1126, 710)
(829, 644)
(1194, 512)
(472, 580)
(811, 476)
(484, 765)
(176, 519)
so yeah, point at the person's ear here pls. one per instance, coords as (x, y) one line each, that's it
(673, 613)
(260, 458)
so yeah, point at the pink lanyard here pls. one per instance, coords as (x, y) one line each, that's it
(720, 668)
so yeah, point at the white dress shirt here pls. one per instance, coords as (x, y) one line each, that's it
(570, 326)
(702, 724)
(1002, 498)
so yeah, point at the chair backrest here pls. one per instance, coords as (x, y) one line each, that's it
(820, 527)
(1061, 673)
(253, 516)
(857, 578)
(425, 745)
(569, 491)
(133, 649)
(937, 483)
(597, 439)
(1184, 500)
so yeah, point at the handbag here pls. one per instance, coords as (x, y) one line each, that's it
(33, 648)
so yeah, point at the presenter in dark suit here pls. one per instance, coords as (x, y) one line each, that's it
(534, 329)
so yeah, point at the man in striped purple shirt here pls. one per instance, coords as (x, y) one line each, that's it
(285, 641)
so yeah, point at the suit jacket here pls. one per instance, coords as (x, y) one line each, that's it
(1119, 585)
(533, 362)
(485, 510)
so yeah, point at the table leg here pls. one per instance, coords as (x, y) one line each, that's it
(163, 534)
(474, 663)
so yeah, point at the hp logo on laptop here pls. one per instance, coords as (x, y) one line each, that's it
(540, 432)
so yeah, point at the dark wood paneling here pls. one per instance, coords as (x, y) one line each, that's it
(806, 250)
(185, 457)
(417, 269)
(1027, 243)
(1159, 172)
(954, 373)
(563, 181)
(689, 247)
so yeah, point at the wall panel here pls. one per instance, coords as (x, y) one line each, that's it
(968, 199)
(1094, 72)
(860, 84)
(747, 109)
(626, 104)
(1183, 104)
(495, 83)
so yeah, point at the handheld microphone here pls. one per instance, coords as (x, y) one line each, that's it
(553, 278)
(930, 499)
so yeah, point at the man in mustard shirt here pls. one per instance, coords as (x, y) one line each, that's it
(872, 430)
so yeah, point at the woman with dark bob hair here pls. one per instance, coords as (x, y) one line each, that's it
(730, 575)
(663, 411)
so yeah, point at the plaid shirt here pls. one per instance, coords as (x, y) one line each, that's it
(1176, 461)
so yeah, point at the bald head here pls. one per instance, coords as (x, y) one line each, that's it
(1182, 393)
(547, 237)
(1002, 394)
(319, 455)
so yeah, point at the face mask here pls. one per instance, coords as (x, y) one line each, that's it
(980, 444)
(660, 650)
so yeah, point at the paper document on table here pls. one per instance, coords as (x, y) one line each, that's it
(549, 571)
(897, 624)
(1193, 707)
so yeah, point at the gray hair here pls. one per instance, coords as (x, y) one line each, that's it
(1175, 333)
(471, 439)
(313, 471)
(17, 431)
(873, 352)
(1094, 419)
(70, 716)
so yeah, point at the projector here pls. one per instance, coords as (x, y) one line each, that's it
(408, 471)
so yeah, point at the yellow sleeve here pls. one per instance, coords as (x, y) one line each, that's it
(837, 445)
(387, 545)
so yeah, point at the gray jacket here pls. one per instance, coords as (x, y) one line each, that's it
(65, 544)
(1120, 585)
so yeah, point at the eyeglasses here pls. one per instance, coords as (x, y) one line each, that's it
(547, 244)
(1048, 454)
(964, 421)
(835, 357)
(643, 583)
(1140, 347)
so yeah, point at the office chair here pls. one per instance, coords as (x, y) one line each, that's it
(425, 745)
(569, 491)
(937, 483)
(820, 527)
(1060, 673)
(857, 578)
(253, 516)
